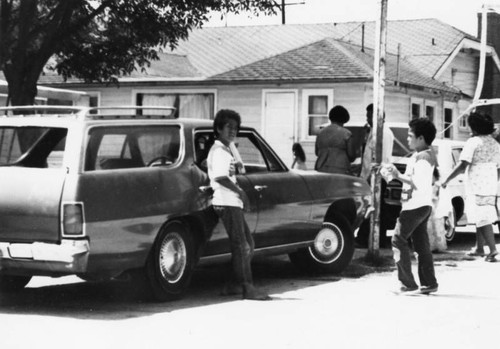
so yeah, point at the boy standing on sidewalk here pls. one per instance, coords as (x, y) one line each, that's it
(416, 199)
(229, 201)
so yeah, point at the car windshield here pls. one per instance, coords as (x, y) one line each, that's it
(400, 146)
(41, 147)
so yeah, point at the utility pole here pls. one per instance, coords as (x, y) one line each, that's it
(378, 124)
(284, 5)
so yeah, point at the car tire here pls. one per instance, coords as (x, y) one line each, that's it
(171, 262)
(450, 224)
(331, 251)
(13, 283)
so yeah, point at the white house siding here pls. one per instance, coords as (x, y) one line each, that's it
(248, 101)
(462, 73)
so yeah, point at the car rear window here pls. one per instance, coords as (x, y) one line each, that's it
(111, 148)
(41, 147)
(400, 146)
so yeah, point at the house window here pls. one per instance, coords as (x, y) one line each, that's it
(429, 112)
(415, 110)
(317, 113)
(316, 105)
(462, 124)
(448, 119)
(187, 105)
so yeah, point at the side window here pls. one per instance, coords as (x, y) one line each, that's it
(112, 148)
(39, 147)
(255, 155)
(251, 155)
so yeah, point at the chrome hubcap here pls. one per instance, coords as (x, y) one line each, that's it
(327, 244)
(173, 257)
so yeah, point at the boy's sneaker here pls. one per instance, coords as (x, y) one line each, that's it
(491, 257)
(428, 289)
(406, 290)
(475, 253)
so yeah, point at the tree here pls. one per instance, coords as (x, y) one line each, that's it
(96, 41)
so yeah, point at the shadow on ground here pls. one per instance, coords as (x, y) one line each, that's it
(123, 299)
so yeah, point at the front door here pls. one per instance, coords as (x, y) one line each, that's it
(279, 122)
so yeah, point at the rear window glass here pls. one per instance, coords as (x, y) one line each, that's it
(400, 146)
(111, 148)
(41, 147)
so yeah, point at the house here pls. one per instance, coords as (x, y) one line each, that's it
(284, 79)
(49, 95)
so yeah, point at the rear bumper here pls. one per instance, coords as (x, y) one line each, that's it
(38, 258)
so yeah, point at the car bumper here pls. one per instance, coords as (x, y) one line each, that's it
(38, 258)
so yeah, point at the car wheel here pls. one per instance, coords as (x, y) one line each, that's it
(331, 251)
(449, 226)
(171, 262)
(13, 283)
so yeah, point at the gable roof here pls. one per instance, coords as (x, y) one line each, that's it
(329, 59)
(224, 53)
(426, 43)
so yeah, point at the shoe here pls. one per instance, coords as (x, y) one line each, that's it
(428, 289)
(406, 290)
(231, 289)
(254, 294)
(475, 253)
(491, 257)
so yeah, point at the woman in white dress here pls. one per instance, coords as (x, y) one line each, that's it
(480, 159)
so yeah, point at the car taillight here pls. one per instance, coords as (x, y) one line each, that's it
(73, 220)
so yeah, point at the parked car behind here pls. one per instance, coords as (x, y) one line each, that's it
(102, 192)
(448, 153)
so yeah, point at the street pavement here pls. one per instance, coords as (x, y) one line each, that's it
(354, 310)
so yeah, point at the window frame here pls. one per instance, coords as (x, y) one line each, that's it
(306, 93)
(452, 107)
(91, 155)
(420, 103)
(434, 106)
(136, 92)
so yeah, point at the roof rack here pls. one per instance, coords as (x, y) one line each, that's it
(90, 113)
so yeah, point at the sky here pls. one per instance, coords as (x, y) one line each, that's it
(461, 14)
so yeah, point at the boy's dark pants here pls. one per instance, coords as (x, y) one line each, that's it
(413, 224)
(240, 238)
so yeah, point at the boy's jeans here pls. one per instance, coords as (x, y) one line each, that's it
(413, 223)
(240, 238)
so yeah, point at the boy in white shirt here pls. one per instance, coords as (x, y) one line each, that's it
(416, 199)
(229, 200)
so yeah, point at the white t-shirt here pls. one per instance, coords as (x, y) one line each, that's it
(420, 169)
(220, 163)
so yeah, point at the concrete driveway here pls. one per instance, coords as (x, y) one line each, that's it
(354, 310)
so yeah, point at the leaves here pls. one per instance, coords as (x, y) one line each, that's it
(99, 40)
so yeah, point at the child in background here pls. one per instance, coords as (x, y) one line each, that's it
(299, 157)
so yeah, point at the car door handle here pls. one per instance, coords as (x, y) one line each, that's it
(260, 187)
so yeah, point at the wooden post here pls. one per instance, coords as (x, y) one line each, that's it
(378, 124)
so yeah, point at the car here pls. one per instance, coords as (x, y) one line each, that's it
(448, 153)
(107, 192)
(450, 203)
(391, 194)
